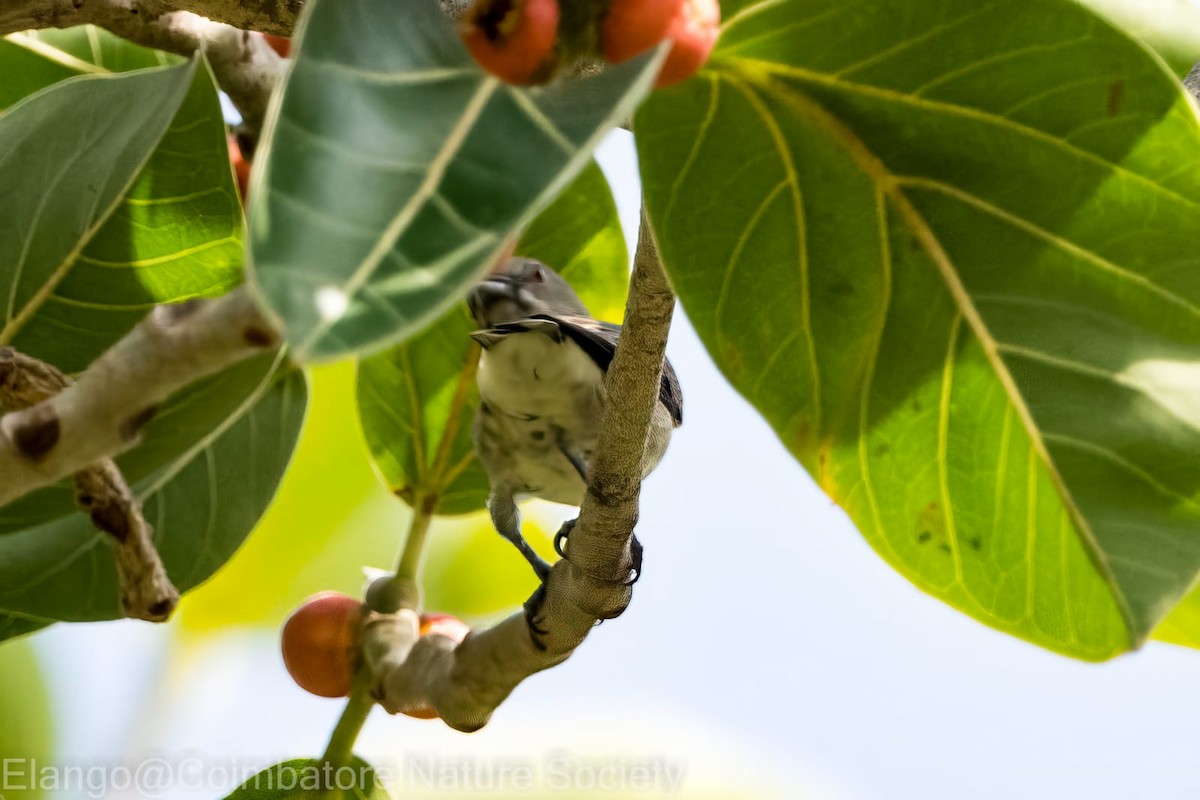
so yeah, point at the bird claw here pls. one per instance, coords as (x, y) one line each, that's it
(635, 558)
(560, 538)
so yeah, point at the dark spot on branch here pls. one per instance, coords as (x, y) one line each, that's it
(129, 428)
(37, 433)
(111, 519)
(257, 337)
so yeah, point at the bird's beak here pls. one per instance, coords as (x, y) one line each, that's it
(490, 293)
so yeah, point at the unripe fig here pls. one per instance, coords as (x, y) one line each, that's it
(320, 643)
(511, 39)
(694, 32)
(634, 26)
(444, 625)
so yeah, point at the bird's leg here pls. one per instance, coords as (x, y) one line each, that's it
(507, 519)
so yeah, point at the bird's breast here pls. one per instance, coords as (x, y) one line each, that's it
(543, 399)
(531, 375)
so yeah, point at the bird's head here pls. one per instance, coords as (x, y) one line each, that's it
(521, 288)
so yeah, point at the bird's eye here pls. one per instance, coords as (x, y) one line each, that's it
(538, 275)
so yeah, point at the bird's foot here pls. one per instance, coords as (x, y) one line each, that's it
(635, 550)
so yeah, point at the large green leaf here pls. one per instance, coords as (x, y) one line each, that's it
(303, 778)
(413, 395)
(947, 249)
(139, 208)
(90, 273)
(395, 170)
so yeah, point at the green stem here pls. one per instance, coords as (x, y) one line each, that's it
(413, 556)
(341, 743)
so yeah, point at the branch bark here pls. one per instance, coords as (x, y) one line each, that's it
(245, 66)
(464, 684)
(100, 491)
(101, 414)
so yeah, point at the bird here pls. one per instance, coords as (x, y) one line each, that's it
(541, 387)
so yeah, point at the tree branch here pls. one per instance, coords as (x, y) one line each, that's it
(100, 491)
(101, 414)
(467, 682)
(245, 66)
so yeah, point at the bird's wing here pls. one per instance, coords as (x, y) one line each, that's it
(599, 340)
(544, 325)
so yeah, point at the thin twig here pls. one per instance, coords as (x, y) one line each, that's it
(101, 491)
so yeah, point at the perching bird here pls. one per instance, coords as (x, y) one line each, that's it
(541, 386)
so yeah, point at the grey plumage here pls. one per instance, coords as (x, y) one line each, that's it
(541, 383)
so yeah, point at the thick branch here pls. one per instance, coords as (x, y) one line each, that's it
(465, 684)
(245, 66)
(100, 490)
(100, 415)
(268, 16)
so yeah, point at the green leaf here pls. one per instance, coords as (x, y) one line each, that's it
(15, 625)
(307, 778)
(947, 249)
(143, 211)
(92, 269)
(395, 170)
(86, 48)
(580, 235)
(474, 573)
(208, 466)
(27, 735)
(413, 395)
(1182, 625)
(330, 516)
